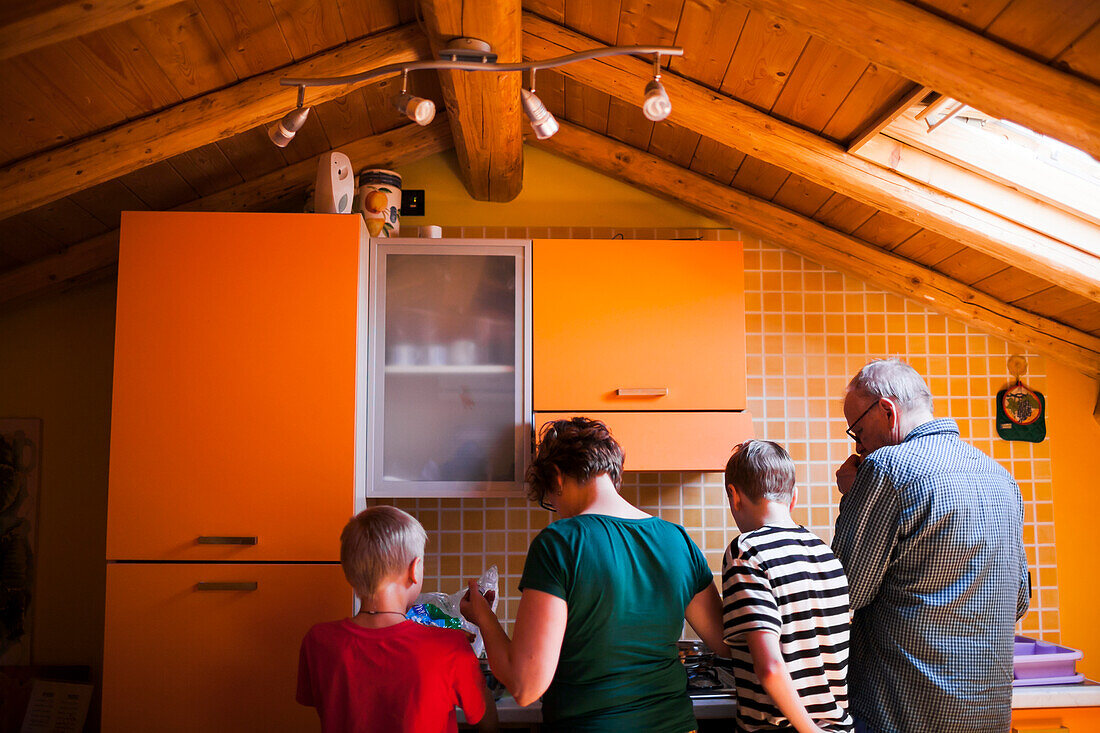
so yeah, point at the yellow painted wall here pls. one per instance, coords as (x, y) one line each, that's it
(556, 192)
(1075, 452)
(56, 356)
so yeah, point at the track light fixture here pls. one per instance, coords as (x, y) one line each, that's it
(283, 131)
(470, 54)
(419, 110)
(656, 106)
(542, 122)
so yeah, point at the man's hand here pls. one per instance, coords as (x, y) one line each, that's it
(846, 474)
(476, 608)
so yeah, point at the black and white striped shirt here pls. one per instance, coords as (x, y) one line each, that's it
(786, 580)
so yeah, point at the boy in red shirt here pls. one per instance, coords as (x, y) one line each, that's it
(378, 671)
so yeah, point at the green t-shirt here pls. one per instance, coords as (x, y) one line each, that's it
(626, 583)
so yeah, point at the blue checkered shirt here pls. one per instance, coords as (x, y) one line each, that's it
(930, 536)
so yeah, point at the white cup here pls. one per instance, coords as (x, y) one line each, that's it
(402, 355)
(431, 231)
(436, 354)
(463, 352)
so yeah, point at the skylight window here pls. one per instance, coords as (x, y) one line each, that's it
(1049, 173)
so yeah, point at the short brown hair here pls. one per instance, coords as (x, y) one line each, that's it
(761, 469)
(377, 543)
(579, 448)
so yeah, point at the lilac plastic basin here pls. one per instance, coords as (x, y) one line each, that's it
(1036, 662)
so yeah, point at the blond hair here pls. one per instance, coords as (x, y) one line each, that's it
(377, 544)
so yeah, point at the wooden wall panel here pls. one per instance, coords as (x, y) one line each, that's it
(626, 123)
(309, 26)
(885, 231)
(927, 248)
(716, 161)
(551, 90)
(819, 82)
(248, 34)
(124, 71)
(760, 179)
(598, 20)
(206, 169)
(1011, 284)
(843, 214)
(345, 119)
(107, 200)
(968, 266)
(801, 195)
(182, 44)
(973, 14)
(159, 186)
(648, 23)
(1083, 55)
(1043, 29)
(708, 33)
(364, 17)
(65, 222)
(674, 143)
(877, 91)
(585, 106)
(251, 153)
(21, 240)
(766, 52)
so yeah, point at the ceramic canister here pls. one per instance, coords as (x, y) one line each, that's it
(379, 201)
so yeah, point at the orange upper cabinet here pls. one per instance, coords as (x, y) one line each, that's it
(638, 325)
(233, 411)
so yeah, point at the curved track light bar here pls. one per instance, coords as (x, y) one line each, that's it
(595, 53)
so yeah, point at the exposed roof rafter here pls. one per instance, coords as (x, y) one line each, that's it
(483, 108)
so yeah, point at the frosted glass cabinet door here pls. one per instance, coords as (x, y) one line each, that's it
(447, 403)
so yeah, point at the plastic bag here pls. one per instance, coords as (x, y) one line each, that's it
(448, 604)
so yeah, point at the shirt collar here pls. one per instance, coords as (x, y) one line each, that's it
(939, 426)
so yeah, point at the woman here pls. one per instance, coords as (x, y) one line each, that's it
(605, 590)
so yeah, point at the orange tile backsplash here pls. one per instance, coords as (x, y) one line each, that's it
(808, 331)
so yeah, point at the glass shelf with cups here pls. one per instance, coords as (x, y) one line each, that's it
(443, 403)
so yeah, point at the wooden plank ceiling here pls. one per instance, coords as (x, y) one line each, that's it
(163, 105)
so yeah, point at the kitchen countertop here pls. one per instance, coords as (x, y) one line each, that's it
(1083, 694)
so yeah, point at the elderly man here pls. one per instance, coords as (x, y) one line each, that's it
(929, 533)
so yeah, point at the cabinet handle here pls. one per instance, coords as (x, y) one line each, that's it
(227, 540)
(642, 392)
(248, 585)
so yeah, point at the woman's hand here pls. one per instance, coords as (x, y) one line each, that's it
(475, 607)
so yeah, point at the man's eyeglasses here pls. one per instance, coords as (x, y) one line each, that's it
(547, 507)
(853, 425)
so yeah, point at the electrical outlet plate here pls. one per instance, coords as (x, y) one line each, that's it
(412, 202)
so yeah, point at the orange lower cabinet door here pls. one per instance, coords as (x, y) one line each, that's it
(212, 647)
(669, 441)
(1056, 720)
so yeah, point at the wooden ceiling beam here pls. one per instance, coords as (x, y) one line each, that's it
(755, 133)
(484, 108)
(69, 20)
(54, 174)
(391, 149)
(954, 61)
(826, 246)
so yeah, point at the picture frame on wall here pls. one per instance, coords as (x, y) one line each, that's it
(20, 443)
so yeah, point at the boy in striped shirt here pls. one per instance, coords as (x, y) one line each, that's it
(785, 604)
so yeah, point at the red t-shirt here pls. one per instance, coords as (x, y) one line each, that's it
(407, 677)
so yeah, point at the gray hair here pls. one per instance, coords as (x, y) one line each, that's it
(895, 379)
(761, 469)
(377, 544)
